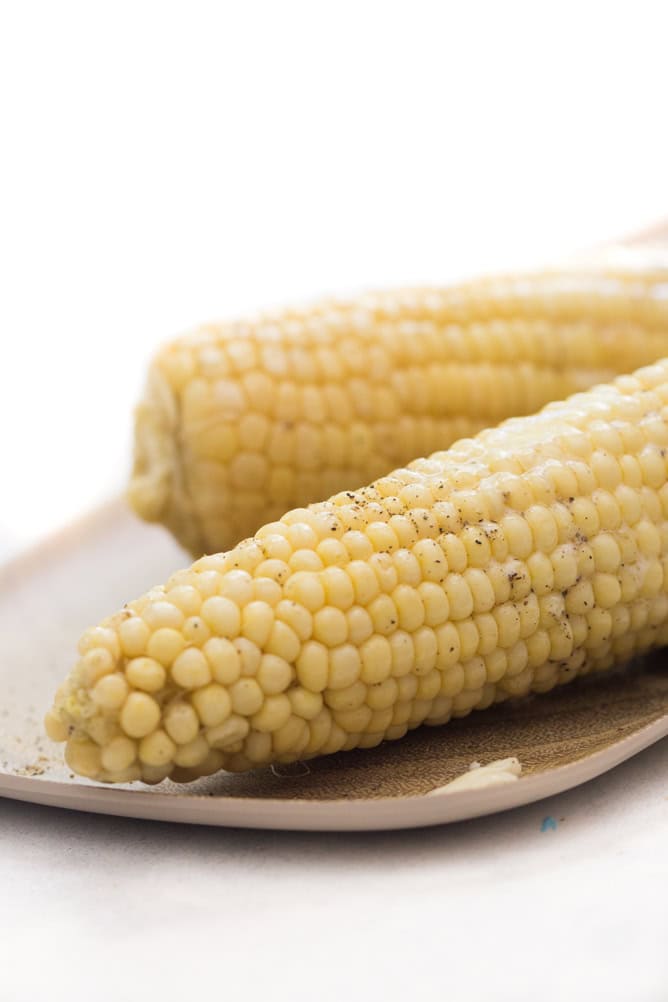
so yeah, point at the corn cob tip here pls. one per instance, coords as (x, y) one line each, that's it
(154, 452)
(157, 488)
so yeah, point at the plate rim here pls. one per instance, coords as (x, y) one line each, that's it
(437, 806)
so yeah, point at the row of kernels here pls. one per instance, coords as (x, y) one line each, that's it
(461, 704)
(249, 452)
(480, 387)
(290, 400)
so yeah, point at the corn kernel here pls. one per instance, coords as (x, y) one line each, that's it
(193, 753)
(140, 715)
(223, 659)
(247, 697)
(145, 673)
(221, 615)
(191, 669)
(273, 714)
(165, 645)
(83, 757)
(304, 703)
(156, 749)
(119, 754)
(330, 626)
(229, 733)
(181, 723)
(110, 692)
(133, 636)
(212, 703)
(274, 674)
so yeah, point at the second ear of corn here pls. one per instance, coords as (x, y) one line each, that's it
(241, 422)
(514, 562)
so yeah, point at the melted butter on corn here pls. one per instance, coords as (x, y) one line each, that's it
(240, 422)
(511, 563)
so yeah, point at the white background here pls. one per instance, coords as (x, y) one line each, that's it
(166, 163)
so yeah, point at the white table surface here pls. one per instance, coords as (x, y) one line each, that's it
(103, 908)
(170, 163)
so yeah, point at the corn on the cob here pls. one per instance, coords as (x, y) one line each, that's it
(515, 561)
(241, 422)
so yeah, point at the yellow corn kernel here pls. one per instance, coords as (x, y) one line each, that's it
(133, 635)
(228, 734)
(84, 757)
(191, 669)
(157, 749)
(110, 692)
(145, 673)
(165, 645)
(181, 722)
(118, 754)
(212, 703)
